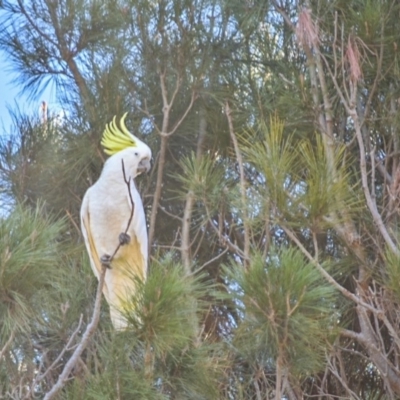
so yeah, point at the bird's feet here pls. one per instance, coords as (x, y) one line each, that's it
(106, 261)
(124, 238)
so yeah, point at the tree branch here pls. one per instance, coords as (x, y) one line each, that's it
(165, 134)
(90, 330)
(239, 159)
(325, 274)
(6, 344)
(59, 357)
(224, 240)
(187, 212)
(212, 260)
(364, 183)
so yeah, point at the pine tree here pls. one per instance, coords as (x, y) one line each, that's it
(272, 204)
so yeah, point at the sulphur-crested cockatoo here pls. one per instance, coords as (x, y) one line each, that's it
(113, 220)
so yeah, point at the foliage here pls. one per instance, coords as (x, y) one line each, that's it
(272, 205)
(287, 308)
(29, 252)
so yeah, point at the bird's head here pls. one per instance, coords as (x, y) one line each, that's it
(119, 143)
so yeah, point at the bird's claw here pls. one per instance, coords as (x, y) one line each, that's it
(124, 238)
(106, 261)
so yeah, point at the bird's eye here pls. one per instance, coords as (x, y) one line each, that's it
(136, 154)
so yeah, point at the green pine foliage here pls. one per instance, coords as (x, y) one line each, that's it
(392, 274)
(30, 252)
(274, 253)
(159, 356)
(287, 308)
(165, 305)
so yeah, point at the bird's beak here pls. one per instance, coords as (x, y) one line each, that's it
(144, 166)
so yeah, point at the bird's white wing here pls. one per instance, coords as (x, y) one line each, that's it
(88, 237)
(103, 218)
(89, 242)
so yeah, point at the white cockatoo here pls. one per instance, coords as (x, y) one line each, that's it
(113, 220)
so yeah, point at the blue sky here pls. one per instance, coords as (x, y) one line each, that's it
(10, 96)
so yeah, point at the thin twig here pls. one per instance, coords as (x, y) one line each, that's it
(186, 112)
(211, 261)
(223, 239)
(165, 134)
(351, 111)
(168, 213)
(284, 15)
(6, 344)
(332, 367)
(326, 275)
(32, 23)
(189, 201)
(69, 215)
(128, 184)
(239, 159)
(90, 329)
(364, 183)
(66, 348)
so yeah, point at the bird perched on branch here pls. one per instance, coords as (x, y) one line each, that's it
(113, 220)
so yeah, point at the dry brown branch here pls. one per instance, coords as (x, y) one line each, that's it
(326, 275)
(340, 376)
(6, 344)
(212, 260)
(195, 239)
(68, 57)
(35, 25)
(71, 218)
(165, 133)
(184, 115)
(90, 330)
(284, 15)
(376, 300)
(364, 183)
(169, 214)
(315, 243)
(279, 369)
(378, 71)
(157, 192)
(257, 388)
(350, 106)
(223, 239)
(187, 212)
(61, 355)
(246, 250)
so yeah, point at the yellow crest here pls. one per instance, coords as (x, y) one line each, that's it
(117, 138)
